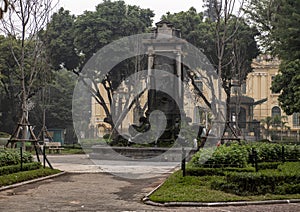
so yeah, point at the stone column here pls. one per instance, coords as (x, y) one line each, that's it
(179, 74)
(151, 82)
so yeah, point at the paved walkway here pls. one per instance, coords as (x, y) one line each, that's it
(99, 191)
(126, 169)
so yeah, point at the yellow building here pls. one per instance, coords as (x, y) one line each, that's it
(258, 86)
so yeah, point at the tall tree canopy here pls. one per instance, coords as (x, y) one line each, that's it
(71, 41)
(25, 66)
(279, 21)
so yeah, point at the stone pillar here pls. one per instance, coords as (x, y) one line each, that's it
(151, 81)
(179, 74)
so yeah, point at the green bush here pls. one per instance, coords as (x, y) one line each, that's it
(26, 175)
(268, 165)
(234, 155)
(12, 157)
(192, 171)
(282, 181)
(273, 152)
(16, 168)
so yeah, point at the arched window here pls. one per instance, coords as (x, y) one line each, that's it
(276, 111)
(296, 119)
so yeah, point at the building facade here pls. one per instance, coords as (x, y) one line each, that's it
(258, 86)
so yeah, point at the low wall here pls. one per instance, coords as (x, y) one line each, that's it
(131, 153)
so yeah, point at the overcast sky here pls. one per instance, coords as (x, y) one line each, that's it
(160, 7)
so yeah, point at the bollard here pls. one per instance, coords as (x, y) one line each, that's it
(183, 162)
(254, 155)
(282, 154)
(44, 155)
(21, 154)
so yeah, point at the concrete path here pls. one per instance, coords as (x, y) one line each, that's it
(126, 169)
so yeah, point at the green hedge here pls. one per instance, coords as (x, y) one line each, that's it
(285, 180)
(193, 171)
(234, 155)
(268, 165)
(16, 168)
(26, 175)
(273, 152)
(12, 157)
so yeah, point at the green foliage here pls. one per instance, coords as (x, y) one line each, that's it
(234, 155)
(12, 157)
(196, 171)
(16, 168)
(73, 40)
(268, 165)
(26, 175)
(278, 22)
(59, 38)
(60, 100)
(287, 82)
(281, 181)
(199, 189)
(273, 152)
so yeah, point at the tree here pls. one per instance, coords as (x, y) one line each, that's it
(22, 27)
(56, 99)
(59, 40)
(227, 41)
(9, 84)
(279, 22)
(89, 33)
(288, 83)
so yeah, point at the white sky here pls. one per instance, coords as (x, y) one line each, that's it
(160, 7)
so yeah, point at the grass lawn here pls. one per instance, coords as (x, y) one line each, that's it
(197, 189)
(18, 177)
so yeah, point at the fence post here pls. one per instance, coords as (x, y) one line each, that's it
(282, 154)
(44, 155)
(21, 155)
(254, 155)
(183, 162)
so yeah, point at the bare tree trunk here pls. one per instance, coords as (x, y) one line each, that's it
(23, 24)
(224, 13)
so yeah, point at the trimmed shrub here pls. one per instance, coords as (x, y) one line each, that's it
(268, 165)
(281, 181)
(192, 171)
(16, 168)
(12, 157)
(26, 175)
(270, 152)
(234, 155)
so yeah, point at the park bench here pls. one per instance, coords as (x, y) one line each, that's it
(54, 146)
